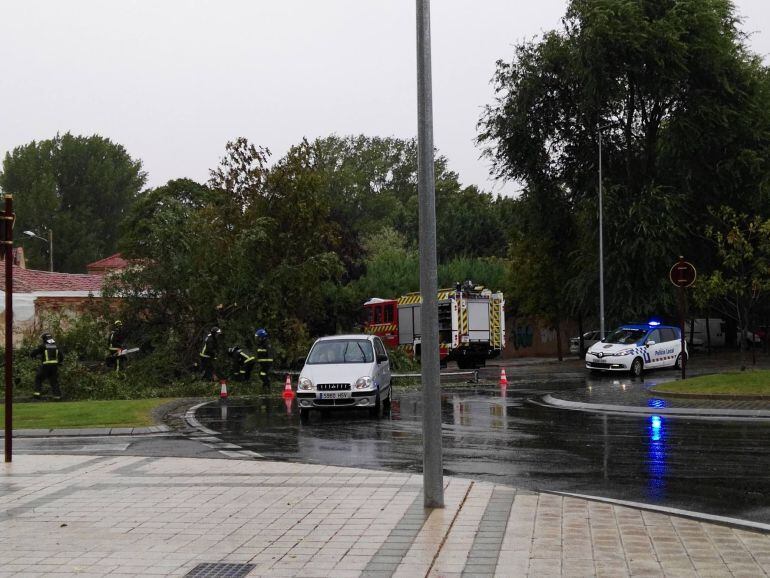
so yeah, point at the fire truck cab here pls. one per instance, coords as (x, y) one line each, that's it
(383, 314)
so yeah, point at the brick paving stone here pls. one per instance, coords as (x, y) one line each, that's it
(161, 516)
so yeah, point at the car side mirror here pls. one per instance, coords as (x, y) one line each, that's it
(381, 358)
(650, 343)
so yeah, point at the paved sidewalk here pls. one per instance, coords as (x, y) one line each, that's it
(87, 432)
(97, 516)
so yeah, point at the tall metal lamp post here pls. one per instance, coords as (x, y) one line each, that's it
(32, 234)
(6, 238)
(433, 483)
(599, 130)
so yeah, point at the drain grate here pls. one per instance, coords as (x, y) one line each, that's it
(219, 570)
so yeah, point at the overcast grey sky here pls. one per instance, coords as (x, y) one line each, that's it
(174, 80)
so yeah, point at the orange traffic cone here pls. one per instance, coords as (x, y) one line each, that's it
(287, 390)
(503, 378)
(223, 389)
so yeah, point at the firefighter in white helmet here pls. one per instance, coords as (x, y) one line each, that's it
(50, 359)
(208, 353)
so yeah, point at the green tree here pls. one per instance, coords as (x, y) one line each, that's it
(370, 184)
(540, 260)
(255, 254)
(80, 188)
(683, 109)
(392, 269)
(742, 279)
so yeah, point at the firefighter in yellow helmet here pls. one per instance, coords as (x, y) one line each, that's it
(115, 344)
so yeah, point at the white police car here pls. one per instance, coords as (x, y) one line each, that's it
(636, 347)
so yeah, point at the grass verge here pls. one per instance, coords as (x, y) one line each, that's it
(750, 382)
(83, 414)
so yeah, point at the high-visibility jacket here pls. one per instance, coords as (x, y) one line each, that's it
(264, 354)
(209, 347)
(243, 360)
(49, 353)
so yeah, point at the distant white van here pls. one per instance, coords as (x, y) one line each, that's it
(698, 331)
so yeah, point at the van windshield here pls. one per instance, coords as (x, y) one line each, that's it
(625, 336)
(341, 351)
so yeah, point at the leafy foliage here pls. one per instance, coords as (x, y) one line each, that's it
(78, 187)
(743, 277)
(682, 107)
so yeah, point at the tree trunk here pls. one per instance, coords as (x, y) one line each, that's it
(708, 335)
(742, 346)
(692, 332)
(581, 346)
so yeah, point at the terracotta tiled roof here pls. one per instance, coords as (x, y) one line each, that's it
(110, 263)
(31, 280)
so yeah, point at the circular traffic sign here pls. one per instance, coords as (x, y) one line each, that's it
(683, 273)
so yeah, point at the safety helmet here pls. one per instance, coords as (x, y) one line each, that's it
(233, 350)
(260, 333)
(216, 330)
(46, 336)
(118, 323)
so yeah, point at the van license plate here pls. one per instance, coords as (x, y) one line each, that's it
(335, 394)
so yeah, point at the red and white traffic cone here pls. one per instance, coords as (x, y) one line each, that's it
(503, 378)
(223, 389)
(288, 392)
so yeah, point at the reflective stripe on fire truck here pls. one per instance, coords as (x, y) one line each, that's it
(381, 328)
(463, 317)
(414, 298)
(443, 348)
(494, 317)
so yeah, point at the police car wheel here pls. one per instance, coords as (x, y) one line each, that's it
(678, 362)
(637, 366)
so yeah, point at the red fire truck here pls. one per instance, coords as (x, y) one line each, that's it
(470, 318)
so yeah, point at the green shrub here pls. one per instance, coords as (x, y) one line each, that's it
(403, 362)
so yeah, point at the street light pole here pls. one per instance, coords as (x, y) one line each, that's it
(433, 482)
(601, 240)
(7, 243)
(50, 250)
(34, 235)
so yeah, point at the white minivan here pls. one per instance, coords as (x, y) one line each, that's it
(345, 371)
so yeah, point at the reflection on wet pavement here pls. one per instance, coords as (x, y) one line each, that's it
(495, 435)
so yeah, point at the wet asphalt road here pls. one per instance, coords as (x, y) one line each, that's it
(707, 466)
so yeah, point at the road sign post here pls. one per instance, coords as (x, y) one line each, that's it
(683, 275)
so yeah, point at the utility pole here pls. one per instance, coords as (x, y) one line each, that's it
(7, 241)
(50, 250)
(433, 481)
(601, 241)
